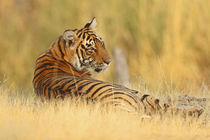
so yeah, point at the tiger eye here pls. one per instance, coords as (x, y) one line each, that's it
(89, 51)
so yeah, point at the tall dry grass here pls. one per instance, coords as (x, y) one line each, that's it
(162, 39)
(26, 118)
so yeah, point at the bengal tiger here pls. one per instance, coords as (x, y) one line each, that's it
(65, 70)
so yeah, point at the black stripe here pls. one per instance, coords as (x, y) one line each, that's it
(88, 37)
(114, 93)
(45, 84)
(89, 31)
(83, 36)
(45, 55)
(55, 61)
(79, 31)
(75, 94)
(89, 89)
(98, 90)
(72, 85)
(83, 46)
(74, 30)
(61, 93)
(64, 62)
(143, 97)
(93, 35)
(67, 30)
(69, 94)
(59, 46)
(77, 52)
(66, 82)
(48, 75)
(36, 83)
(58, 81)
(93, 49)
(87, 25)
(80, 35)
(48, 69)
(69, 90)
(44, 65)
(108, 90)
(49, 93)
(150, 104)
(82, 86)
(44, 60)
(125, 101)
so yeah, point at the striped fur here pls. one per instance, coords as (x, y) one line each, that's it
(65, 70)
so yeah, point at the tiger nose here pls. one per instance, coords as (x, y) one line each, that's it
(108, 61)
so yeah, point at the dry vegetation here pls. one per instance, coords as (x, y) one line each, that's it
(28, 118)
(167, 44)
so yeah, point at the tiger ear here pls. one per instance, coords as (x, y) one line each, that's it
(92, 24)
(69, 36)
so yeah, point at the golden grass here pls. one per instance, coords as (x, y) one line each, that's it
(27, 118)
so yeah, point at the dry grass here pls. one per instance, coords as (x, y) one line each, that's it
(27, 118)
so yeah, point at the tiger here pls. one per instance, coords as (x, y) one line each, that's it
(65, 70)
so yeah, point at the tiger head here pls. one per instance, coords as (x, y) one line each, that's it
(84, 49)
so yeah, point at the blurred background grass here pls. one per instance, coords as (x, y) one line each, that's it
(166, 42)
